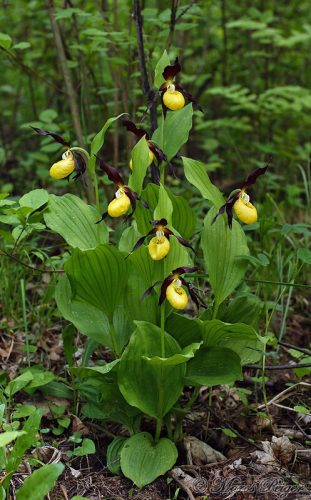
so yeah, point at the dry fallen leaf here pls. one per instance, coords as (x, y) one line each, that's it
(278, 451)
(200, 453)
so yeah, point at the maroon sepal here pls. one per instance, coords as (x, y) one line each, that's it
(158, 153)
(141, 240)
(112, 172)
(131, 127)
(155, 174)
(159, 222)
(103, 217)
(166, 283)
(171, 71)
(183, 270)
(80, 166)
(190, 97)
(132, 196)
(228, 208)
(194, 294)
(183, 242)
(149, 290)
(56, 137)
(252, 178)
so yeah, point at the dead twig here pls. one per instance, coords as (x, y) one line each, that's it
(280, 396)
(280, 367)
(32, 268)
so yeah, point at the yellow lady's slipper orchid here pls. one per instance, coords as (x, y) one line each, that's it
(176, 295)
(172, 289)
(245, 210)
(73, 160)
(240, 201)
(64, 167)
(173, 99)
(172, 94)
(119, 205)
(124, 197)
(159, 246)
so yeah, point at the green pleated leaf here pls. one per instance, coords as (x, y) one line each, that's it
(164, 208)
(34, 199)
(246, 308)
(113, 454)
(140, 160)
(87, 318)
(173, 132)
(152, 389)
(196, 174)
(161, 64)
(75, 221)
(99, 138)
(98, 277)
(141, 277)
(184, 218)
(238, 337)
(221, 248)
(143, 460)
(177, 359)
(143, 216)
(40, 483)
(185, 330)
(213, 366)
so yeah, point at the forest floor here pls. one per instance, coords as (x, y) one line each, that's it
(263, 458)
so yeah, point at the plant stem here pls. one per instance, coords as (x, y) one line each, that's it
(142, 63)
(210, 397)
(194, 396)
(158, 429)
(22, 282)
(113, 335)
(215, 310)
(163, 330)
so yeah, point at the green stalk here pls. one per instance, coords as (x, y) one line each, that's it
(163, 330)
(22, 282)
(215, 310)
(158, 429)
(113, 335)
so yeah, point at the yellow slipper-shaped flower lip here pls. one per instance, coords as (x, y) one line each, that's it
(245, 211)
(176, 295)
(119, 205)
(158, 247)
(63, 168)
(173, 100)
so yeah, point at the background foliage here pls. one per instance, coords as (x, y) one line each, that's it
(253, 81)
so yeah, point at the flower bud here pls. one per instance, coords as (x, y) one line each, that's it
(119, 205)
(64, 167)
(151, 158)
(245, 210)
(173, 99)
(158, 247)
(176, 296)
